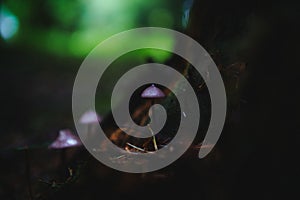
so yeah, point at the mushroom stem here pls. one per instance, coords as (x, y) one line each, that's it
(152, 102)
(28, 173)
(63, 156)
(153, 136)
(88, 131)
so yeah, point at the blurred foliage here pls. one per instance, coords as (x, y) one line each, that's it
(74, 27)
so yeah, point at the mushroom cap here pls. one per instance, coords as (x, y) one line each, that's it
(153, 92)
(65, 139)
(90, 117)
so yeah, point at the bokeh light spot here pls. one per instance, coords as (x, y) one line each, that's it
(9, 24)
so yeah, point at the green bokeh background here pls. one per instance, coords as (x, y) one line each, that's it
(74, 27)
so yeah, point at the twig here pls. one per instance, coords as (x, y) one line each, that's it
(138, 148)
(118, 157)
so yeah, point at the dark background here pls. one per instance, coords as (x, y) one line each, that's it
(256, 156)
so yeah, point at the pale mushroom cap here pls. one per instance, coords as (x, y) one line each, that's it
(153, 92)
(90, 117)
(65, 139)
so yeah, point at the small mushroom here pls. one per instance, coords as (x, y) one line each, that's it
(65, 139)
(90, 118)
(153, 92)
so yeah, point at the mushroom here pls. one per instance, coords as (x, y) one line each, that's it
(66, 139)
(153, 92)
(89, 118)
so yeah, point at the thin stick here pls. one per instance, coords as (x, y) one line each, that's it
(138, 148)
(119, 157)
